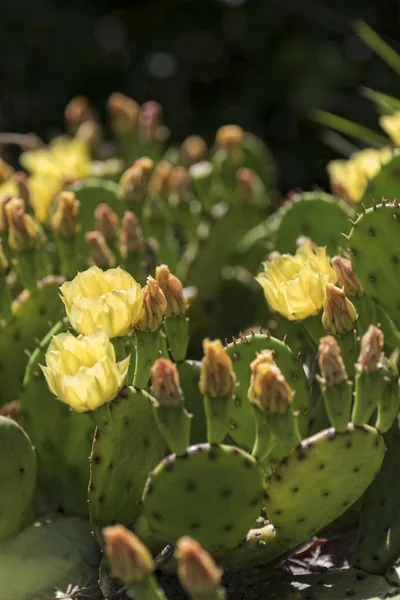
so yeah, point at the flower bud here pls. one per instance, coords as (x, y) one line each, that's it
(65, 221)
(339, 314)
(180, 190)
(250, 188)
(177, 304)
(371, 354)
(23, 232)
(229, 137)
(124, 113)
(197, 572)
(154, 305)
(13, 411)
(268, 389)
(22, 182)
(106, 222)
(165, 385)
(90, 133)
(4, 264)
(78, 111)
(346, 276)
(391, 125)
(100, 253)
(159, 182)
(134, 181)
(111, 299)
(217, 378)
(330, 361)
(82, 371)
(150, 116)
(6, 171)
(131, 235)
(129, 559)
(193, 150)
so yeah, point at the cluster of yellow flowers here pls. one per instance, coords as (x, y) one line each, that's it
(82, 371)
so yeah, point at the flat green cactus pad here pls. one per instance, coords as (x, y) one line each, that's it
(242, 353)
(320, 479)
(375, 255)
(317, 215)
(385, 184)
(17, 477)
(335, 585)
(30, 323)
(213, 493)
(48, 556)
(189, 375)
(62, 439)
(122, 458)
(379, 535)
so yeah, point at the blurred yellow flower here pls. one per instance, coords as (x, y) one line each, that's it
(83, 371)
(294, 286)
(95, 298)
(349, 178)
(391, 124)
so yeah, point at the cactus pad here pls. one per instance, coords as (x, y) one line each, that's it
(385, 183)
(30, 322)
(320, 479)
(213, 493)
(122, 458)
(62, 440)
(375, 255)
(242, 352)
(17, 476)
(189, 376)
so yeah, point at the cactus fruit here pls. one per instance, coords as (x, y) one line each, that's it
(18, 477)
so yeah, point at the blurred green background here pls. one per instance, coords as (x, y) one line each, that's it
(261, 63)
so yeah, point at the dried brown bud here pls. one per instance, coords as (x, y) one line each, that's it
(330, 361)
(339, 314)
(65, 221)
(268, 389)
(229, 137)
(193, 150)
(23, 231)
(179, 186)
(177, 304)
(6, 171)
(150, 117)
(159, 182)
(131, 235)
(130, 560)
(100, 253)
(107, 222)
(165, 385)
(346, 276)
(154, 305)
(217, 378)
(124, 113)
(12, 410)
(78, 111)
(371, 354)
(197, 572)
(135, 180)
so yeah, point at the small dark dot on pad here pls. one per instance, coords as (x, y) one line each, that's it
(156, 516)
(111, 466)
(91, 487)
(17, 336)
(349, 444)
(350, 592)
(278, 511)
(375, 558)
(372, 277)
(383, 501)
(371, 232)
(126, 423)
(361, 576)
(302, 520)
(42, 310)
(301, 455)
(255, 502)
(278, 477)
(22, 470)
(356, 469)
(226, 493)
(248, 464)
(146, 441)
(326, 494)
(101, 499)
(321, 467)
(97, 459)
(212, 455)
(190, 486)
(194, 525)
(228, 528)
(295, 490)
(395, 259)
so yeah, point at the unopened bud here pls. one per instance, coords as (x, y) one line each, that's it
(330, 361)
(12, 410)
(3, 261)
(78, 111)
(23, 231)
(6, 171)
(165, 385)
(22, 182)
(339, 314)
(371, 354)
(193, 150)
(229, 137)
(134, 182)
(130, 560)
(65, 221)
(106, 222)
(159, 182)
(197, 572)
(217, 378)
(100, 253)
(177, 304)
(131, 235)
(249, 186)
(154, 305)
(346, 276)
(124, 113)
(91, 133)
(179, 186)
(269, 390)
(150, 116)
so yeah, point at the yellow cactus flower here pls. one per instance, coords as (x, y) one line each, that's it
(391, 124)
(83, 371)
(294, 286)
(349, 178)
(95, 298)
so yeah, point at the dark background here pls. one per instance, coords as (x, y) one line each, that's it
(261, 63)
